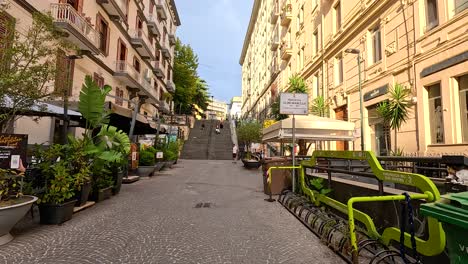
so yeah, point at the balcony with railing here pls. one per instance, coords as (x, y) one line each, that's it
(115, 8)
(164, 106)
(142, 44)
(127, 74)
(161, 10)
(274, 66)
(148, 89)
(275, 13)
(286, 14)
(158, 70)
(286, 50)
(170, 86)
(79, 31)
(165, 51)
(172, 39)
(153, 24)
(275, 40)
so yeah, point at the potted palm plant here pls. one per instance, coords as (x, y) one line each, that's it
(13, 205)
(110, 138)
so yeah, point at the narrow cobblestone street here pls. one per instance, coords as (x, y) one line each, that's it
(156, 220)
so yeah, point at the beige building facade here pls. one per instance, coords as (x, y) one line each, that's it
(127, 44)
(421, 44)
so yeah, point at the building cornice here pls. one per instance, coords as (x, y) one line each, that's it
(27, 6)
(248, 35)
(174, 12)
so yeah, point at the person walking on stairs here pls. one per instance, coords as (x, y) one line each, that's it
(234, 153)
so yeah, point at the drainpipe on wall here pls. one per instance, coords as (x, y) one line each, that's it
(414, 82)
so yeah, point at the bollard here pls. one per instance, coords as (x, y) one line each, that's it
(270, 199)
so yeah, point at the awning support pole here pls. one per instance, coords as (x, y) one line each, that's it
(132, 124)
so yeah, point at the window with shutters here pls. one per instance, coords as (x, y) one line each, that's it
(119, 96)
(136, 64)
(432, 16)
(7, 30)
(64, 74)
(104, 32)
(99, 80)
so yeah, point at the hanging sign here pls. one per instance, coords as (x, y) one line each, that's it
(13, 149)
(159, 155)
(294, 103)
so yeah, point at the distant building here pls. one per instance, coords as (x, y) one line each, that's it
(216, 110)
(420, 44)
(235, 107)
(127, 44)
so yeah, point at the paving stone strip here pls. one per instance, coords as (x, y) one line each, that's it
(156, 221)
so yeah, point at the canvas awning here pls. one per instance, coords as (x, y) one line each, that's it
(41, 109)
(121, 117)
(310, 128)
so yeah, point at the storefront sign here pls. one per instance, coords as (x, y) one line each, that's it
(159, 155)
(294, 103)
(376, 93)
(12, 148)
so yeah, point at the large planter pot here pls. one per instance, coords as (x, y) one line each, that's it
(83, 195)
(168, 164)
(102, 194)
(251, 164)
(159, 166)
(10, 215)
(145, 171)
(118, 182)
(55, 214)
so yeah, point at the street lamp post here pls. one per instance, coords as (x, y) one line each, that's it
(358, 52)
(212, 107)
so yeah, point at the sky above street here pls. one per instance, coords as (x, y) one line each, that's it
(215, 29)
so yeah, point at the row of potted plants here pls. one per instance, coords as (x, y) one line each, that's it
(149, 163)
(90, 166)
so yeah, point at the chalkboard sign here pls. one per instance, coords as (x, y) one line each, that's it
(12, 148)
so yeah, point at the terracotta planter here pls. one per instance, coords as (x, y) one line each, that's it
(10, 215)
(55, 214)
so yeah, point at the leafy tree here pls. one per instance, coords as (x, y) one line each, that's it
(190, 88)
(320, 107)
(396, 111)
(28, 66)
(249, 132)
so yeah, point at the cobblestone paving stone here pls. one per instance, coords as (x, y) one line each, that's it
(155, 221)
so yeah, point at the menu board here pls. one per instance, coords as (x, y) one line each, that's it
(12, 148)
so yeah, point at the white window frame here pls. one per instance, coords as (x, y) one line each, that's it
(337, 23)
(372, 47)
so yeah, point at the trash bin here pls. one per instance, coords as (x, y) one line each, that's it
(452, 211)
(280, 179)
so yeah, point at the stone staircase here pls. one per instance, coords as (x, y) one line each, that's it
(206, 144)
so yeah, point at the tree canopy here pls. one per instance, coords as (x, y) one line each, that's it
(28, 64)
(190, 88)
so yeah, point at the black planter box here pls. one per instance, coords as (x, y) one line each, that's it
(251, 164)
(83, 195)
(55, 214)
(118, 183)
(102, 194)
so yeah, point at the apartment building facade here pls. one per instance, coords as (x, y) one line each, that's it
(421, 44)
(127, 44)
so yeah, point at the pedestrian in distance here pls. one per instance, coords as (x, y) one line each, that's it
(203, 126)
(221, 125)
(217, 130)
(235, 149)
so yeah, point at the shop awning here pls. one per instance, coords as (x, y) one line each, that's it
(41, 109)
(121, 117)
(310, 128)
